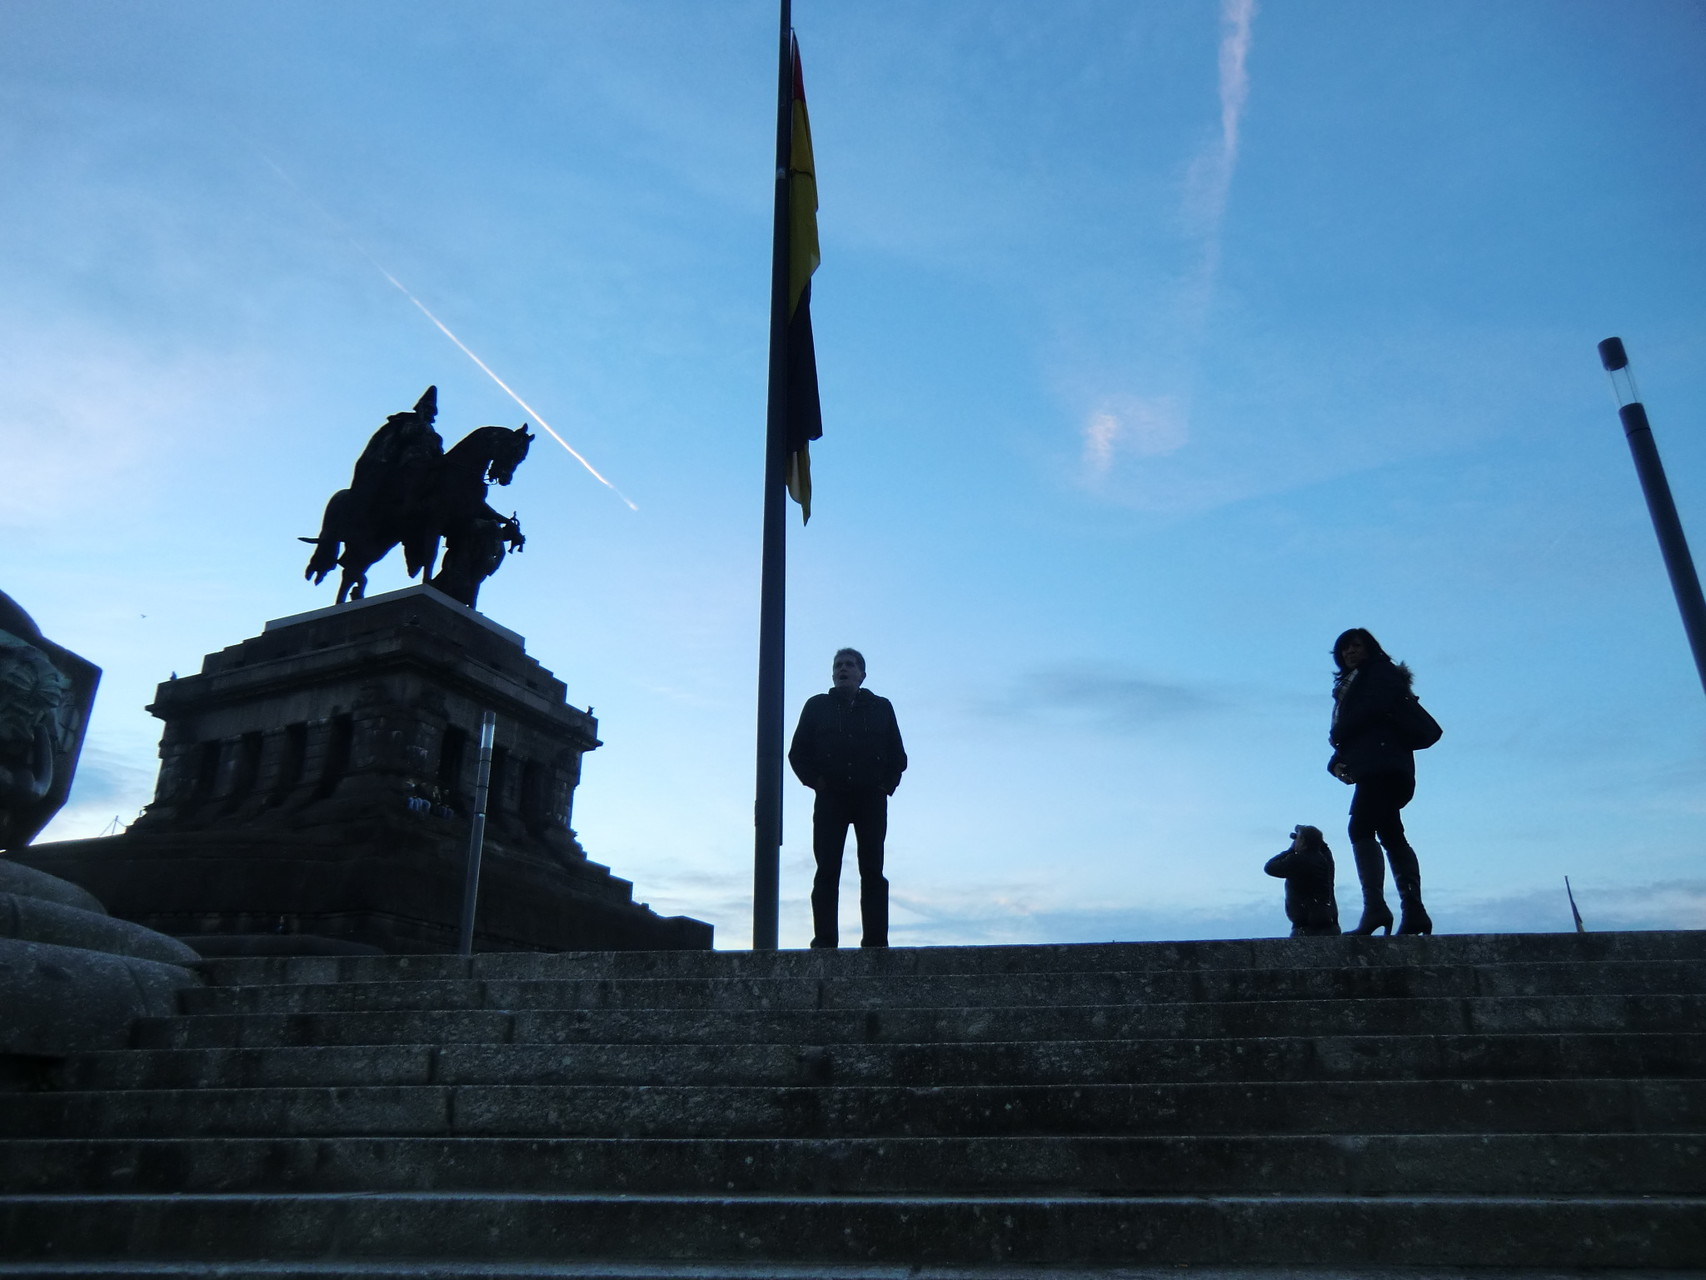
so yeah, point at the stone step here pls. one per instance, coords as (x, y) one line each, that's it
(964, 990)
(897, 1025)
(1365, 1107)
(424, 1269)
(1286, 1103)
(1572, 1164)
(1513, 1056)
(917, 1230)
(1249, 953)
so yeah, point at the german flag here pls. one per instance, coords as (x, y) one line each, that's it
(804, 415)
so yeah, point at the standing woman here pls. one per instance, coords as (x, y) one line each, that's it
(1368, 754)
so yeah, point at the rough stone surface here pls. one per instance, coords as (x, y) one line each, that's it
(38, 920)
(346, 1269)
(28, 882)
(221, 945)
(59, 1000)
(1447, 1107)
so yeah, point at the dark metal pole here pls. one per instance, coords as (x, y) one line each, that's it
(1684, 581)
(772, 615)
(477, 835)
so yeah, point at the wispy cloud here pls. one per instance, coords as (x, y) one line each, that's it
(1210, 178)
(1667, 904)
(1020, 913)
(1154, 425)
(108, 786)
(1016, 913)
(1147, 428)
(1108, 699)
(117, 403)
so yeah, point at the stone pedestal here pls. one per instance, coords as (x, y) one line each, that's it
(318, 780)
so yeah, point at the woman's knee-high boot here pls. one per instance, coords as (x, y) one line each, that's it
(1407, 876)
(1371, 870)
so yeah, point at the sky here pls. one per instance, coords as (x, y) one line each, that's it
(1158, 344)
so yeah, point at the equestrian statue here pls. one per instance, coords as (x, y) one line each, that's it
(407, 489)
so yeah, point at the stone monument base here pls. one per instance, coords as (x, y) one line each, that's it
(388, 887)
(317, 782)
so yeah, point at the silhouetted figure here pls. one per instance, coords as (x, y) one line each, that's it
(1368, 753)
(847, 749)
(1307, 869)
(408, 489)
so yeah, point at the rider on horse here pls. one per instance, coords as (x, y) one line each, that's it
(407, 489)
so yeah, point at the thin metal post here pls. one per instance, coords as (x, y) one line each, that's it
(1673, 546)
(477, 835)
(772, 613)
(1574, 914)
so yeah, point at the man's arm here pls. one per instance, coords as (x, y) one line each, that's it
(897, 747)
(802, 751)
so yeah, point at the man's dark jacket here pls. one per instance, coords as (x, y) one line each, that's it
(848, 743)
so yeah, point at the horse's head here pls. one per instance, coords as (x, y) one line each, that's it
(509, 448)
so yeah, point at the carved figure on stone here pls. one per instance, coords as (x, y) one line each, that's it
(45, 696)
(407, 489)
(33, 697)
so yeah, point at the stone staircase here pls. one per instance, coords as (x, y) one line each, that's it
(1357, 1104)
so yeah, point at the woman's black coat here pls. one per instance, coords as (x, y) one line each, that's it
(1363, 738)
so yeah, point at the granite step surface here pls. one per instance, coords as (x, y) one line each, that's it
(1446, 1102)
(1549, 1055)
(1371, 1107)
(1609, 1013)
(1248, 953)
(1570, 1164)
(961, 990)
(1484, 1231)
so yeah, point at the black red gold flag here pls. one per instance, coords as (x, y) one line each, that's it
(805, 414)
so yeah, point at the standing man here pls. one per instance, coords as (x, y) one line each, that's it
(847, 748)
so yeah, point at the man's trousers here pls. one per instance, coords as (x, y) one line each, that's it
(868, 813)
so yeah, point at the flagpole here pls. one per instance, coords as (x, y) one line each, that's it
(772, 614)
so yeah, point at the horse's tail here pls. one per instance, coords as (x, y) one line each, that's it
(330, 541)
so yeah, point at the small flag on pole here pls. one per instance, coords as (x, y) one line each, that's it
(805, 415)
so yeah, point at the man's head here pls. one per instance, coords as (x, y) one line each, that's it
(848, 670)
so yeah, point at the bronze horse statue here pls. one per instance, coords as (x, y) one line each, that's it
(407, 489)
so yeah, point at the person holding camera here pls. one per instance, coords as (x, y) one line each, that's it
(1307, 869)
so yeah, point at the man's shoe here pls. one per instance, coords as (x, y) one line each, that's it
(818, 944)
(884, 943)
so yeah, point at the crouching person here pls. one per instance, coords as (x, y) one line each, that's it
(1307, 869)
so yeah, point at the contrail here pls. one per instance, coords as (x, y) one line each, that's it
(1160, 425)
(463, 347)
(445, 330)
(1235, 18)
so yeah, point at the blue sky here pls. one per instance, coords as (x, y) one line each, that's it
(1158, 344)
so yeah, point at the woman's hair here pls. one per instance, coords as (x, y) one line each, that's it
(1368, 642)
(1312, 839)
